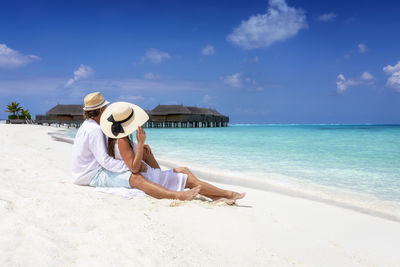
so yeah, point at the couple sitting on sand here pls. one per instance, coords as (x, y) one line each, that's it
(120, 162)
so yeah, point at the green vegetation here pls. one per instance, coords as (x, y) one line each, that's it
(25, 114)
(17, 112)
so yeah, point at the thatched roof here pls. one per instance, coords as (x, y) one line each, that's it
(170, 109)
(195, 110)
(215, 113)
(206, 111)
(192, 113)
(66, 110)
(203, 111)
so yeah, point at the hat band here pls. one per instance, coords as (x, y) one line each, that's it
(97, 105)
(116, 127)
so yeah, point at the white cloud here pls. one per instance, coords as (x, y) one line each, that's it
(279, 23)
(250, 81)
(206, 98)
(343, 84)
(392, 69)
(156, 56)
(208, 50)
(234, 80)
(50, 87)
(131, 98)
(144, 86)
(151, 76)
(254, 59)
(394, 79)
(362, 48)
(238, 80)
(208, 101)
(366, 76)
(10, 58)
(81, 73)
(327, 17)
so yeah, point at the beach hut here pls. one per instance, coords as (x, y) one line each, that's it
(71, 115)
(170, 116)
(217, 118)
(225, 121)
(66, 113)
(196, 117)
(148, 124)
(207, 117)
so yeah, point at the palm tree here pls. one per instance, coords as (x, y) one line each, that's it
(25, 114)
(13, 108)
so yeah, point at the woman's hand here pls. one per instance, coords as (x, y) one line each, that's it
(140, 135)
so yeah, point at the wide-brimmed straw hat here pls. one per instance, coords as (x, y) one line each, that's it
(94, 101)
(120, 119)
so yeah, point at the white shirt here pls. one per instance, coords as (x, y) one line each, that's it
(90, 154)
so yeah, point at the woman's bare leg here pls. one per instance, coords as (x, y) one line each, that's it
(207, 189)
(157, 191)
(149, 158)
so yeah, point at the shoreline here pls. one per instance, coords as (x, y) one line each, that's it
(48, 220)
(352, 200)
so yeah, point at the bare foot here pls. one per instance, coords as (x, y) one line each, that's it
(189, 194)
(224, 200)
(236, 196)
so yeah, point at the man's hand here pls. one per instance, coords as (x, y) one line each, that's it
(147, 149)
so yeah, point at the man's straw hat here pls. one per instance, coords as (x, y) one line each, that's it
(120, 119)
(94, 101)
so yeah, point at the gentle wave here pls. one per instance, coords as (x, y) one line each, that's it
(289, 186)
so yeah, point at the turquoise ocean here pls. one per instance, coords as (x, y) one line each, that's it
(358, 160)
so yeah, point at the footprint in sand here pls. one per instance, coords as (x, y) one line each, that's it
(6, 204)
(176, 203)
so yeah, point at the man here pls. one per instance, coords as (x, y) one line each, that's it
(89, 152)
(91, 164)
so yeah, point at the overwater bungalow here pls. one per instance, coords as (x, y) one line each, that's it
(62, 114)
(220, 120)
(197, 116)
(162, 116)
(166, 116)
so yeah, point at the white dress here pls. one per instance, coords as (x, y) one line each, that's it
(169, 179)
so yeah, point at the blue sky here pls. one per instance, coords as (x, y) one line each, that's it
(256, 61)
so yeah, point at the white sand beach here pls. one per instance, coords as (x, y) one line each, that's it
(46, 220)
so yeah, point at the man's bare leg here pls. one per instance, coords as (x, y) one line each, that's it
(157, 191)
(208, 190)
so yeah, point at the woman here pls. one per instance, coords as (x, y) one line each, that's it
(121, 119)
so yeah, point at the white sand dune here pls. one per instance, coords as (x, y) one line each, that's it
(45, 220)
